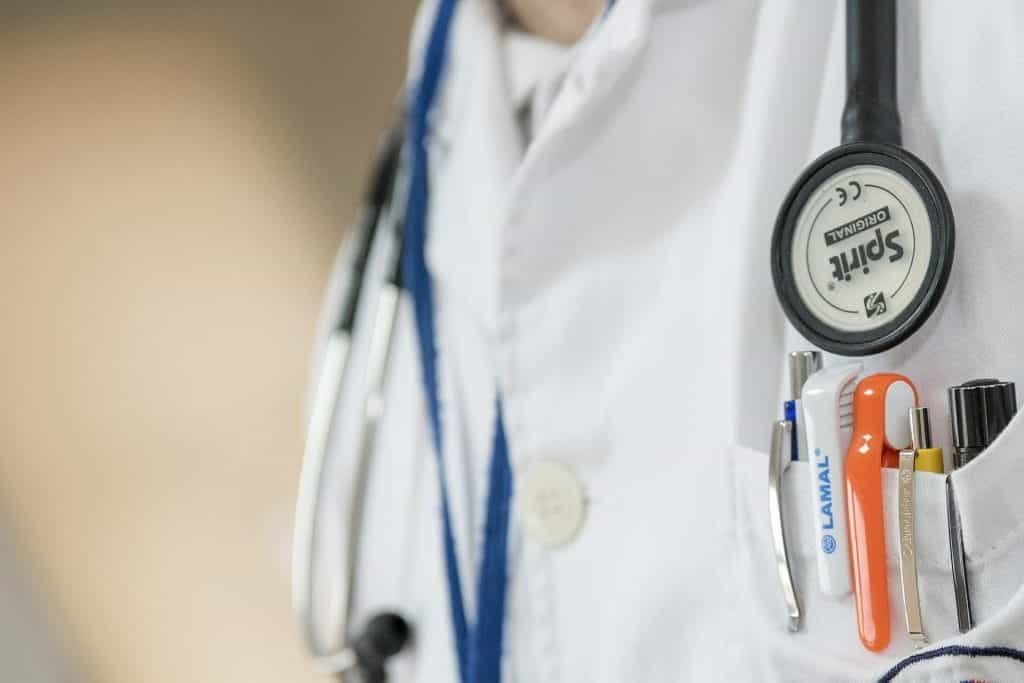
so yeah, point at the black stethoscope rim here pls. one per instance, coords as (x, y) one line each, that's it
(940, 215)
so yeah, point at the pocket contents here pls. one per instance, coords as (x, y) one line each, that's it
(848, 428)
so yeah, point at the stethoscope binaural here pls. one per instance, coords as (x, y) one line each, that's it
(861, 253)
(362, 657)
(863, 243)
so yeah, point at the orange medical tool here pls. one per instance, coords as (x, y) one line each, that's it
(880, 430)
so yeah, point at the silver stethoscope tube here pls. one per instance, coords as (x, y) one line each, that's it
(341, 657)
(381, 223)
(310, 488)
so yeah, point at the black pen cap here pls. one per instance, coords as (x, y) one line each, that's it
(979, 410)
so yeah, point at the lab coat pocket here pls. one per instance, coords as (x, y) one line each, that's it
(771, 651)
(826, 646)
(991, 510)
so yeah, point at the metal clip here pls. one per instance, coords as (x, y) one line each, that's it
(908, 550)
(959, 560)
(778, 459)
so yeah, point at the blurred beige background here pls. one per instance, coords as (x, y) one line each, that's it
(174, 182)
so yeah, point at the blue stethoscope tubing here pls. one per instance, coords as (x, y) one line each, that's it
(478, 644)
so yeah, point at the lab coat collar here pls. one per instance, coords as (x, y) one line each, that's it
(600, 57)
(475, 137)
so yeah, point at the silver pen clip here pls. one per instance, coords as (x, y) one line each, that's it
(778, 458)
(908, 550)
(959, 561)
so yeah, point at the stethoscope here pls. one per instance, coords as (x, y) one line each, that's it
(401, 173)
(861, 253)
(363, 656)
(863, 243)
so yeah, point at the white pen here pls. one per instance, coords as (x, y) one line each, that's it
(828, 421)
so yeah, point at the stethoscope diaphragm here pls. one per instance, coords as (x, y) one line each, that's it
(862, 248)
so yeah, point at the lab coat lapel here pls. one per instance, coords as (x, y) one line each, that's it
(474, 150)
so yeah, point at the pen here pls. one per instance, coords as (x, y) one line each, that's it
(908, 548)
(828, 422)
(802, 364)
(978, 410)
(922, 457)
(880, 431)
(927, 458)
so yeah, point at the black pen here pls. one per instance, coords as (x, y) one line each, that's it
(979, 410)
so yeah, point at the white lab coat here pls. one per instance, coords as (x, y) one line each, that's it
(612, 281)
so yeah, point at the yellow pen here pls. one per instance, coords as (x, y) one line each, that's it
(928, 459)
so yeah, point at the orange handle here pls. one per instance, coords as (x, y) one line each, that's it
(867, 454)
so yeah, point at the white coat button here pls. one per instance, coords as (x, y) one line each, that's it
(550, 503)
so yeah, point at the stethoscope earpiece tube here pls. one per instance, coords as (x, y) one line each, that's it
(378, 195)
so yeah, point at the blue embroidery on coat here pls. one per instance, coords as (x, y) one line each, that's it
(953, 651)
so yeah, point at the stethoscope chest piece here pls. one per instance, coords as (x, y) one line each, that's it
(862, 248)
(384, 636)
(863, 244)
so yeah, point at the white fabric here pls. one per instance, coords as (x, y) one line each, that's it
(535, 70)
(612, 279)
